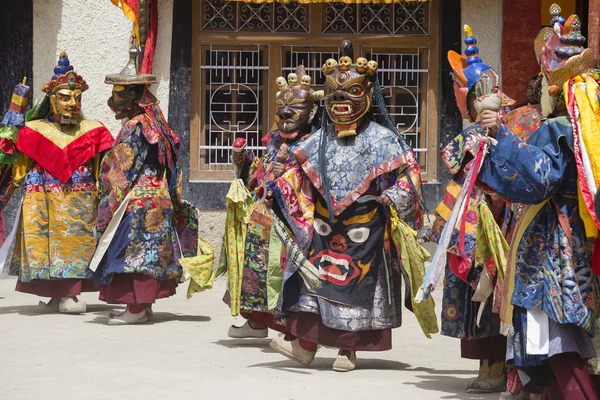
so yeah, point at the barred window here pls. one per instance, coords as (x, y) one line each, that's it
(234, 83)
(241, 48)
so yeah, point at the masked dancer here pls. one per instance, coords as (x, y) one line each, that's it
(257, 296)
(145, 224)
(550, 290)
(351, 204)
(57, 169)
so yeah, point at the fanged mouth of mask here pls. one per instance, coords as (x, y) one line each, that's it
(336, 268)
(342, 109)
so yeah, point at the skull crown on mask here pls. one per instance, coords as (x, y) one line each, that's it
(348, 89)
(296, 105)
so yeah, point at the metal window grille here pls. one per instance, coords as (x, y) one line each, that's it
(406, 18)
(404, 77)
(312, 58)
(235, 80)
(234, 87)
(237, 16)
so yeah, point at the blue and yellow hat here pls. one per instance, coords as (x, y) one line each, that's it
(468, 68)
(63, 66)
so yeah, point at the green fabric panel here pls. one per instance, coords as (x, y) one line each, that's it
(39, 110)
(239, 207)
(274, 271)
(222, 269)
(8, 158)
(412, 261)
(200, 268)
(491, 245)
(9, 132)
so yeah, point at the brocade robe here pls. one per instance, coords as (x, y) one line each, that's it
(551, 268)
(158, 226)
(359, 268)
(57, 170)
(262, 274)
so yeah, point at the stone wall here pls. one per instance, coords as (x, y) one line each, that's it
(520, 28)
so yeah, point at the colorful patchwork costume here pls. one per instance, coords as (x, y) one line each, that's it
(141, 205)
(471, 248)
(261, 272)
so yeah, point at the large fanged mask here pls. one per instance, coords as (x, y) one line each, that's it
(348, 93)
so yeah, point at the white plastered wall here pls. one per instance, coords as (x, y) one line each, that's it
(485, 17)
(96, 36)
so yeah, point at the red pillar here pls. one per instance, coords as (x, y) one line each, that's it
(594, 25)
(520, 25)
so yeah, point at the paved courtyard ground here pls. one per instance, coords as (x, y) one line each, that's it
(185, 354)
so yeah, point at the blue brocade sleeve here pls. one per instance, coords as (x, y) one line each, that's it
(531, 172)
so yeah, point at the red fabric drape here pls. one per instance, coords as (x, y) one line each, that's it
(131, 11)
(133, 4)
(151, 40)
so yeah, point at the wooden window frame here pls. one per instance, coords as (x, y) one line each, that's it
(275, 43)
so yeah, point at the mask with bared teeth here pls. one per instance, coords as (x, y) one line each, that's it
(348, 252)
(348, 92)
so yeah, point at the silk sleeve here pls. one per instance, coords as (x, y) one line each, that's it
(532, 172)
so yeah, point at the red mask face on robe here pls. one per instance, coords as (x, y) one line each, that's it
(349, 252)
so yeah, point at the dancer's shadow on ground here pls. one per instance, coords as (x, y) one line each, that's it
(159, 318)
(32, 310)
(262, 344)
(447, 382)
(325, 363)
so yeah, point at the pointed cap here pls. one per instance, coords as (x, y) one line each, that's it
(130, 75)
(468, 68)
